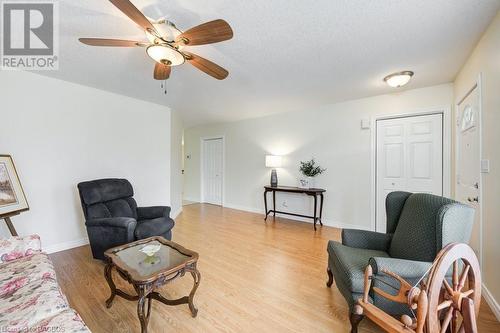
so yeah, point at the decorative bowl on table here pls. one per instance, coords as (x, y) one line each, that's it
(150, 249)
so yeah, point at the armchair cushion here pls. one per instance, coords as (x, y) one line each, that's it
(407, 269)
(393, 207)
(365, 239)
(153, 212)
(455, 223)
(415, 236)
(153, 227)
(113, 222)
(104, 190)
(349, 263)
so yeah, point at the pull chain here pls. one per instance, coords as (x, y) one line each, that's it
(164, 86)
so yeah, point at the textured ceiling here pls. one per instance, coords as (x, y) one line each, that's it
(285, 55)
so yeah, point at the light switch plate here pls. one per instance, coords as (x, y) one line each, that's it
(485, 166)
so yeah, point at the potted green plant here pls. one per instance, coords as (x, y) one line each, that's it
(310, 170)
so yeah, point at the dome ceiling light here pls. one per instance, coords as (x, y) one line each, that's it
(399, 79)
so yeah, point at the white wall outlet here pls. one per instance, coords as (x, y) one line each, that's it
(485, 166)
(365, 123)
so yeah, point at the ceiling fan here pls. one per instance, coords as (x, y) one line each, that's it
(166, 44)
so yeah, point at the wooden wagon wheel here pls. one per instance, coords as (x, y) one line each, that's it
(454, 290)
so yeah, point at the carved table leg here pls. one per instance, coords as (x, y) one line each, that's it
(315, 209)
(141, 307)
(321, 209)
(150, 300)
(196, 277)
(265, 204)
(274, 204)
(109, 278)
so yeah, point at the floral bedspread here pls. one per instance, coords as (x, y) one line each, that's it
(30, 297)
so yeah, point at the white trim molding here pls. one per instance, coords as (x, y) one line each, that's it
(445, 110)
(494, 306)
(176, 213)
(476, 85)
(65, 245)
(326, 222)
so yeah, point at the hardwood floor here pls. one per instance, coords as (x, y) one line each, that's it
(255, 277)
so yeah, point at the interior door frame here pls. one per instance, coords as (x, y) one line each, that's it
(445, 111)
(202, 173)
(475, 85)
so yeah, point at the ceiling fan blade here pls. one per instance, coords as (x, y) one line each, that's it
(206, 66)
(161, 72)
(109, 42)
(134, 14)
(207, 33)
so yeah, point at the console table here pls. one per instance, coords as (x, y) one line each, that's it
(314, 192)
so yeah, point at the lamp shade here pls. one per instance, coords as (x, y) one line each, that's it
(273, 161)
(165, 54)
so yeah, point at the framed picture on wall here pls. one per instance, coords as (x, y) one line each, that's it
(12, 198)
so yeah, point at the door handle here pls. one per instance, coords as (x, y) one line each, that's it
(475, 199)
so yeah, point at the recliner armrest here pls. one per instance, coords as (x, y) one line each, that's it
(407, 269)
(116, 222)
(364, 239)
(146, 213)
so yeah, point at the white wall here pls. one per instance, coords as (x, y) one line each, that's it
(485, 59)
(331, 134)
(176, 182)
(61, 133)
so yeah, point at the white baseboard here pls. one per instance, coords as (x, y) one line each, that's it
(335, 224)
(191, 199)
(174, 215)
(65, 245)
(495, 307)
(83, 241)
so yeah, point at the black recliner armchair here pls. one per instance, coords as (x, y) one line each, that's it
(113, 218)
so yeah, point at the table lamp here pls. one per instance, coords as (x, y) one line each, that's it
(273, 161)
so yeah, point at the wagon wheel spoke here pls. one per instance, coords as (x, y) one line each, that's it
(464, 275)
(454, 320)
(446, 320)
(444, 305)
(455, 275)
(449, 289)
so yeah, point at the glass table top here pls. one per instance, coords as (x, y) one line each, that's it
(165, 258)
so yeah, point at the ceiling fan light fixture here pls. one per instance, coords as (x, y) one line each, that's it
(398, 79)
(165, 31)
(165, 54)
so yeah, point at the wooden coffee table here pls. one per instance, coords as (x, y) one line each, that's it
(148, 273)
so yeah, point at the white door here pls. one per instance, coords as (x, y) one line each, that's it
(212, 171)
(409, 157)
(468, 167)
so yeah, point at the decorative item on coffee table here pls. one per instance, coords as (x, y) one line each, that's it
(309, 170)
(149, 264)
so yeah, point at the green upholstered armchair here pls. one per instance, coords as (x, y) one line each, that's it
(418, 226)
